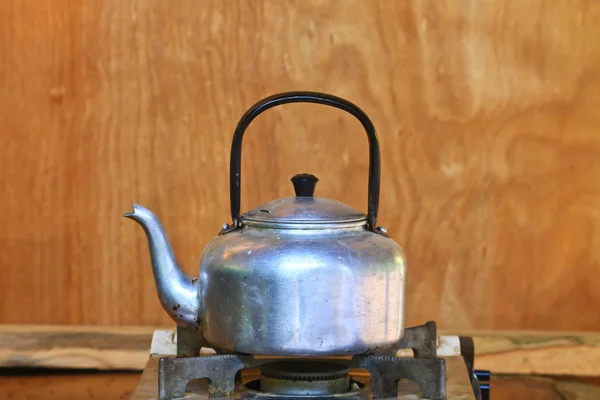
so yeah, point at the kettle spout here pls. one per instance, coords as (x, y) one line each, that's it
(178, 292)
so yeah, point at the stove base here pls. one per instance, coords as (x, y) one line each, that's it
(458, 384)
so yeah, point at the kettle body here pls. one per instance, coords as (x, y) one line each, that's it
(293, 291)
(298, 276)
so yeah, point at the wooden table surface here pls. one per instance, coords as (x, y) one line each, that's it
(55, 385)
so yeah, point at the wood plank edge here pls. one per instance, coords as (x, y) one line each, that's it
(128, 348)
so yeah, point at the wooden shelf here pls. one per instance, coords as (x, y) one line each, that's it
(127, 348)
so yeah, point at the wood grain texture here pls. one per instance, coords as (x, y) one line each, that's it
(539, 388)
(61, 385)
(487, 114)
(127, 348)
(74, 347)
(537, 353)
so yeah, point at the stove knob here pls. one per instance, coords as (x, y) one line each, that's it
(483, 377)
(485, 391)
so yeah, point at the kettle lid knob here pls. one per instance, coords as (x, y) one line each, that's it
(304, 184)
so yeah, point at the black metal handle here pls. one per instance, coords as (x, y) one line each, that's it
(235, 175)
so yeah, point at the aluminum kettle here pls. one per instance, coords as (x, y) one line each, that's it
(298, 276)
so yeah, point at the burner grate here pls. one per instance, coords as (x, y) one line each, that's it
(428, 371)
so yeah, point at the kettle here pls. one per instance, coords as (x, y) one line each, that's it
(297, 276)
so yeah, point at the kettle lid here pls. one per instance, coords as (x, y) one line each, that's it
(304, 211)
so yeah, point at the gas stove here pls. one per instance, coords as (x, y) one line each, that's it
(392, 374)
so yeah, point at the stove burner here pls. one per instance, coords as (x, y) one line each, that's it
(305, 378)
(305, 370)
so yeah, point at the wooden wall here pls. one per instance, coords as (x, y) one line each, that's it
(488, 114)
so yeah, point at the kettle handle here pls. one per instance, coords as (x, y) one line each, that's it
(235, 175)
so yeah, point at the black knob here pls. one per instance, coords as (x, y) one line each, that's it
(483, 378)
(304, 184)
(485, 391)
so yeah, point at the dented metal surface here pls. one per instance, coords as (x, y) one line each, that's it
(302, 292)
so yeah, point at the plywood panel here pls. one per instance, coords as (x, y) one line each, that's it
(127, 348)
(487, 115)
